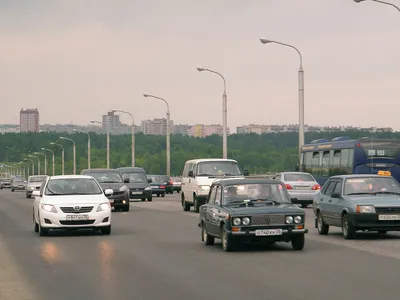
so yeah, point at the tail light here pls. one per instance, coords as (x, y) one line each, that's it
(316, 187)
(162, 186)
(288, 186)
(171, 182)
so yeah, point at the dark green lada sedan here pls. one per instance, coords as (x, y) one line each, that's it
(251, 210)
(358, 203)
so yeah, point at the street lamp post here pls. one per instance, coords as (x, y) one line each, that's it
(224, 114)
(168, 133)
(38, 163)
(26, 175)
(301, 91)
(108, 143)
(53, 158)
(88, 145)
(45, 161)
(133, 133)
(33, 165)
(379, 1)
(74, 150)
(62, 156)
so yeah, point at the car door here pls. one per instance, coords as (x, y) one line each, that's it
(215, 212)
(37, 199)
(336, 203)
(205, 210)
(325, 201)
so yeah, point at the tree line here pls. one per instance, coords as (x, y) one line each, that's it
(271, 152)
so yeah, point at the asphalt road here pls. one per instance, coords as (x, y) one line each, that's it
(155, 252)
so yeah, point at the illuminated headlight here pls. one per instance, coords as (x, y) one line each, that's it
(289, 220)
(237, 221)
(31, 187)
(204, 187)
(297, 219)
(49, 208)
(104, 206)
(148, 188)
(122, 188)
(365, 209)
(246, 221)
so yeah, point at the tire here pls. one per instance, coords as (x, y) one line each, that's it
(150, 199)
(348, 230)
(185, 205)
(382, 231)
(28, 196)
(42, 231)
(208, 239)
(158, 195)
(323, 229)
(35, 224)
(227, 243)
(298, 242)
(12, 190)
(126, 208)
(106, 230)
(196, 206)
(163, 195)
(143, 199)
(304, 205)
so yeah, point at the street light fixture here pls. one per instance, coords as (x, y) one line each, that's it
(133, 133)
(224, 114)
(45, 161)
(74, 150)
(108, 142)
(301, 90)
(168, 132)
(88, 145)
(62, 156)
(38, 163)
(53, 159)
(26, 174)
(379, 1)
(33, 164)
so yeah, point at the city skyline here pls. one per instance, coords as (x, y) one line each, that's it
(106, 57)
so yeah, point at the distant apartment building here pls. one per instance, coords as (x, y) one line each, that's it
(182, 129)
(156, 126)
(110, 121)
(9, 128)
(201, 130)
(29, 120)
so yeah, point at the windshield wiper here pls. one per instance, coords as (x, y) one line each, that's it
(360, 194)
(111, 181)
(386, 192)
(205, 174)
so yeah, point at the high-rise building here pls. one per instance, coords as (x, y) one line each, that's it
(156, 126)
(110, 121)
(29, 120)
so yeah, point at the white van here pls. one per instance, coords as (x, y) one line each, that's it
(199, 174)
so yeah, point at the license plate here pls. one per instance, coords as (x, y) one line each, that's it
(155, 187)
(389, 217)
(136, 193)
(302, 188)
(266, 232)
(77, 217)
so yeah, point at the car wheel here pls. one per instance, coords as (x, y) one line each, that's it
(227, 243)
(298, 242)
(163, 195)
(126, 208)
(348, 230)
(28, 196)
(106, 230)
(195, 204)
(158, 195)
(185, 205)
(323, 229)
(150, 199)
(12, 190)
(208, 239)
(42, 231)
(143, 199)
(35, 224)
(304, 206)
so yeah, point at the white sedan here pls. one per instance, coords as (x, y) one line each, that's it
(71, 202)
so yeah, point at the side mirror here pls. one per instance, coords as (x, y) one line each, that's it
(108, 192)
(36, 193)
(191, 174)
(126, 180)
(149, 180)
(245, 172)
(335, 195)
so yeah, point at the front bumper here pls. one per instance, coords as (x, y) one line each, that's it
(119, 200)
(371, 222)
(5, 185)
(249, 234)
(59, 220)
(140, 194)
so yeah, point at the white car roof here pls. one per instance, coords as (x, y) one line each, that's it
(71, 177)
(210, 159)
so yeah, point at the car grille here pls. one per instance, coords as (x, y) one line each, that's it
(136, 189)
(78, 222)
(387, 210)
(268, 220)
(71, 210)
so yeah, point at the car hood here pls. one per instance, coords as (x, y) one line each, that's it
(75, 199)
(113, 186)
(34, 184)
(137, 185)
(378, 200)
(265, 209)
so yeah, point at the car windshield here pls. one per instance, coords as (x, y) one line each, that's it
(215, 168)
(156, 178)
(72, 186)
(262, 193)
(37, 179)
(135, 177)
(106, 177)
(298, 177)
(371, 185)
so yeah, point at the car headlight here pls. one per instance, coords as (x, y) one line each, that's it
(49, 208)
(365, 209)
(246, 221)
(103, 206)
(122, 188)
(148, 188)
(289, 219)
(237, 221)
(204, 187)
(297, 219)
(31, 188)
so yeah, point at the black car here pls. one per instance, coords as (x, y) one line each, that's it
(158, 185)
(251, 210)
(111, 179)
(169, 184)
(139, 187)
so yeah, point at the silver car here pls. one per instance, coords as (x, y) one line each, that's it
(302, 187)
(18, 185)
(34, 183)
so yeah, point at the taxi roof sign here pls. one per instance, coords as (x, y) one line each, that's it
(384, 173)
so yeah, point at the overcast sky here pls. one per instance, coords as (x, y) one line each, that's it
(76, 59)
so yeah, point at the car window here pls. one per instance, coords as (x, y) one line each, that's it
(298, 177)
(212, 194)
(330, 188)
(371, 185)
(215, 168)
(135, 177)
(106, 177)
(72, 186)
(218, 196)
(338, 188)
